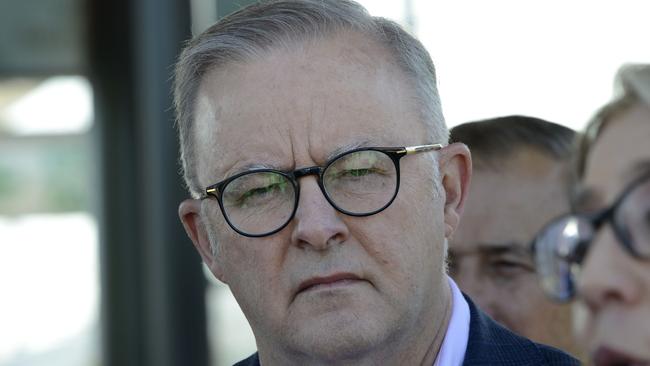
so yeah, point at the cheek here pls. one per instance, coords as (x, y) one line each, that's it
(253, 272)
(520, 285)
(418, 202)
(252, 263)
(514, 299)
(525, 289)
(248, 265)
(425, 229)
(404, 240)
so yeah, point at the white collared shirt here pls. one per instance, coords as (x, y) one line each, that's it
(452, 351)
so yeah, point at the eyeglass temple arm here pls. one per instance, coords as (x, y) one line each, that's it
(212, 191)
(422, 148)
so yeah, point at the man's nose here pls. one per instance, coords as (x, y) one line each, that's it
(317, 224)
(607, 275)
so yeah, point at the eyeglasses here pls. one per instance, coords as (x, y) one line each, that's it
(360, 182)
(562, 245)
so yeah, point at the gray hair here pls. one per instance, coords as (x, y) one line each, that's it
(631, 86)
(248, 33)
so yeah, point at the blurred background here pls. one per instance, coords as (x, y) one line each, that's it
(95, 268)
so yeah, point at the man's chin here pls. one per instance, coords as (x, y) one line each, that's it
(336, 337)
(340, 324)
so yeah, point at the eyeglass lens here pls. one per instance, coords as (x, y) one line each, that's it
(258, 202)
(562, 245)
(633, 217)
(359, 182)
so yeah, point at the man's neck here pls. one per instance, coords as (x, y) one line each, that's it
(417, 346)
(431, 351)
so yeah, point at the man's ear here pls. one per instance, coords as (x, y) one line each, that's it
(189, 212)
(455, 172)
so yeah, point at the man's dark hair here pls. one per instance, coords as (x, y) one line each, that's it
(492, 140)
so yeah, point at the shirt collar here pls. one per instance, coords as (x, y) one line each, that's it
(452, 351)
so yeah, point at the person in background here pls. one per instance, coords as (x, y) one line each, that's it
(599, 253)
(324, 190)
(519, 182)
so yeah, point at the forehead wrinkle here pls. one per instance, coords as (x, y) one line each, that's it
(310, 124)
(315, 120)
(347, 147)
(363, 56)
(320, 149)
(263, 148)
(251, 156)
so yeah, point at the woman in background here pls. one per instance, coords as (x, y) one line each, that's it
(600, 253)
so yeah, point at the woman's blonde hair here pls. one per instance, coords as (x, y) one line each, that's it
(631, 86)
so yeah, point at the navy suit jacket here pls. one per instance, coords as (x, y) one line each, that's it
(491, 344)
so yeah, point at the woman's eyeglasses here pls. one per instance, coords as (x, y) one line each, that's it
(561, 247)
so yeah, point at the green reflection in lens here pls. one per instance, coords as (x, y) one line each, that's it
(361, 182)
(255, 189)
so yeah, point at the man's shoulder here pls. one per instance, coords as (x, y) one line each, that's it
(492, 344)
(253, 360)
(555, 356)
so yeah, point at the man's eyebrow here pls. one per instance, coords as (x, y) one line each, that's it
(503, 248)
(355, 145)
(236, 169)
(491, 249)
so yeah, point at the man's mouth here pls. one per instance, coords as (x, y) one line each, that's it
(328, 282)
(605, 356)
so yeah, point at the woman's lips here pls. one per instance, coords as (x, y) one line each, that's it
(605, 356)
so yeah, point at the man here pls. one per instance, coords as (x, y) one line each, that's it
(285, 111)
(520, 182)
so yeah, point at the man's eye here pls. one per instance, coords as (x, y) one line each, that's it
(507, 264)
(506, 269)
(257, 195)
(357, 172)
(360, 172)
(256, 192)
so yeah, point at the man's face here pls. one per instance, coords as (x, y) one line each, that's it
(489, 253)
(293, 109)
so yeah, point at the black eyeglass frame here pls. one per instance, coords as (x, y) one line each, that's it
(394, 153)
(597, 220)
